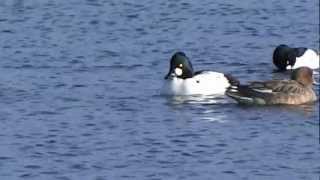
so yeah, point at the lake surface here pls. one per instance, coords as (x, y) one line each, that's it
(80, 80)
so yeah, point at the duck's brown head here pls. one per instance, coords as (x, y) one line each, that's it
(303, 75)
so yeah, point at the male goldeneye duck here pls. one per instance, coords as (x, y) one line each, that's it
(285, 58)
(182, 80)
(296, 91)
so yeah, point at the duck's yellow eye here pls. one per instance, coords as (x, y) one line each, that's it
(180, 65)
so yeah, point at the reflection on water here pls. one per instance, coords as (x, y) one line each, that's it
(204, 107)
(308, 110)
(212, 115)
(197, 99)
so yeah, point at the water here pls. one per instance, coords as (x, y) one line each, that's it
(80, 79)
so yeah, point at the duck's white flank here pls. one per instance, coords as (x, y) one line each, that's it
(309, 59)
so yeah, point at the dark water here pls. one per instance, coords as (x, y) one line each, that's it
(79, 85)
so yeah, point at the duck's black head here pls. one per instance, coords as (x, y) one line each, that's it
(284, 56)
(180, 66)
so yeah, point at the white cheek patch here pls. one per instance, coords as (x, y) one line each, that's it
(178, 71)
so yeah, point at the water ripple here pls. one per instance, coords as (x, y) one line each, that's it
(80, 80)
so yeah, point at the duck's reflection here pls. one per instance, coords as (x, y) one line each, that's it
(203, 107)
(308, 110)
(212, 115)
(209, 107)
(197, 99)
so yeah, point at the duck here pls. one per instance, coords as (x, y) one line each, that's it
(183, 80)
(297, 90)
(288, 58)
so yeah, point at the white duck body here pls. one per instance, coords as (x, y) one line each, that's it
(309, 59)
(204, 83)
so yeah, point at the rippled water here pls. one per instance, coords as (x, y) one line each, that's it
(80, 79)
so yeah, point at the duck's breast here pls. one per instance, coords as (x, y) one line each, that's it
(173, 87)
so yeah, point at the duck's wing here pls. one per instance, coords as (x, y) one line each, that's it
(277, 86)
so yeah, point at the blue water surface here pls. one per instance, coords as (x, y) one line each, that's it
(80, 80)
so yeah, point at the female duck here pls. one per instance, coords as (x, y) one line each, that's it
(182, 80)
(298, 90)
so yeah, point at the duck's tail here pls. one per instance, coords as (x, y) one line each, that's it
(232, 80)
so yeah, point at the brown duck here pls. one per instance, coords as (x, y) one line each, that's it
(298, 90)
